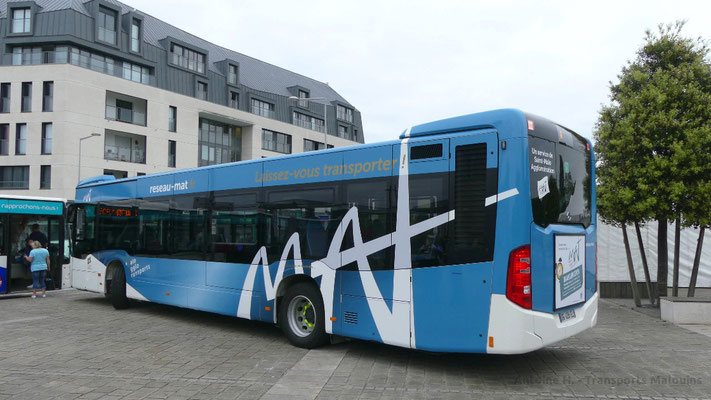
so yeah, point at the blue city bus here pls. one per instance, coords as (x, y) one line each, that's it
(470, 234)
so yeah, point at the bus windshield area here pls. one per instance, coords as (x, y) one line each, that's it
(559, 174)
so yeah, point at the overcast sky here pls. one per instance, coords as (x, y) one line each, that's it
(402, 63)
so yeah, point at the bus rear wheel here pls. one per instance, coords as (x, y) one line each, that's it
(118, 289)
(301, 316)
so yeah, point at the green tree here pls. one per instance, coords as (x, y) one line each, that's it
(644, 137)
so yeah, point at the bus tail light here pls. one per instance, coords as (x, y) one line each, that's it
(518, 284)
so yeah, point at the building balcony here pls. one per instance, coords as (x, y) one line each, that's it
(125, 115)
(310, 125)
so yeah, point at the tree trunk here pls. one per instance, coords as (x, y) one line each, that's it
(677, 239)
(662, 259)
(647, 279)
(697, 261)
(633, 279)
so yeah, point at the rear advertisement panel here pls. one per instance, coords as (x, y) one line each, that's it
(569, 270)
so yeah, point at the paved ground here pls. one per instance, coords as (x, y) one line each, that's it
(75, 345)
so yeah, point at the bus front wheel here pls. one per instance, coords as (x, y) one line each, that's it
(118, 289)
(301, 316)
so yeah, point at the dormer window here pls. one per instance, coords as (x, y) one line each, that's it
(232, 74)
(21, 20)
(186, 58)
(303, 95)
(344, 114)
(136, 35)
(107, 25)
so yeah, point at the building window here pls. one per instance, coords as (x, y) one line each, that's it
(4, 97)
(48, 96)
(218, 143)
(232, 74)
(136, 73)
(275, 141)
(116, 173)
(201, 90)
(344, 113)
(94, 62)
(135, 36)
(26, 55)
(234, 99)
(187, 58)
(21, 20)
(311, 145)
(171, 153)
(309, 122)
(107, 25)
(4, 139)
(26, 105)
(45, 177)
(262, 108)
(345, 134)
(303, 95)
(15, 177)
(172, 118)
(140, 173)
(21, 139)
(122, 146)
(47, 138)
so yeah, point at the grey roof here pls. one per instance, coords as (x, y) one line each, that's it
(254, 73)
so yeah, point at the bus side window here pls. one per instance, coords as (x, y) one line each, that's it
(234, 227)
(153, 226)
(429, 198)
(312, 211)
(375, 215)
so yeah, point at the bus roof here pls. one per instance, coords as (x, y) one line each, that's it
(508, 121)
(31, 198)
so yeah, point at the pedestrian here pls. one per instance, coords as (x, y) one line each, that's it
(38, 236)
(39, 259)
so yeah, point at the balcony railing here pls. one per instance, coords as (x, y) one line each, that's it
(66, 57)
(309, 125)
(263, 112)
(125, 115)
(124, 154)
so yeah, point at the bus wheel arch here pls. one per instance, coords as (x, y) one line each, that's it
(300, 298)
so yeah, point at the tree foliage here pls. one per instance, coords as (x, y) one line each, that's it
(653, 141)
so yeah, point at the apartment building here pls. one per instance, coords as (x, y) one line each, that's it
(97, 87)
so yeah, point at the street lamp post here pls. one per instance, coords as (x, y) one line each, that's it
(80, 140)
(325, 115)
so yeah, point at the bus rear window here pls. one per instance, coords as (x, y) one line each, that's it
(560, 176)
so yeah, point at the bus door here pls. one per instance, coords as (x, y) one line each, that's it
(452, 262)
(17, 229)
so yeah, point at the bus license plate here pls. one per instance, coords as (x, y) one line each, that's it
(566, 315)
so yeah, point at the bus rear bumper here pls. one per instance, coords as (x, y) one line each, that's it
(514, 330)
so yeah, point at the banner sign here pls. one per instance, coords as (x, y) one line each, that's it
(13, 206)
(569, 270)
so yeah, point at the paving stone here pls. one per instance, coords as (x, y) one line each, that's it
(74, 345)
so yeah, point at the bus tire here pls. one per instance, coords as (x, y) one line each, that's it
(301, 316)
(118, 289)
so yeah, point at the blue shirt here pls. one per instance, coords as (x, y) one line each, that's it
(39, 259)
